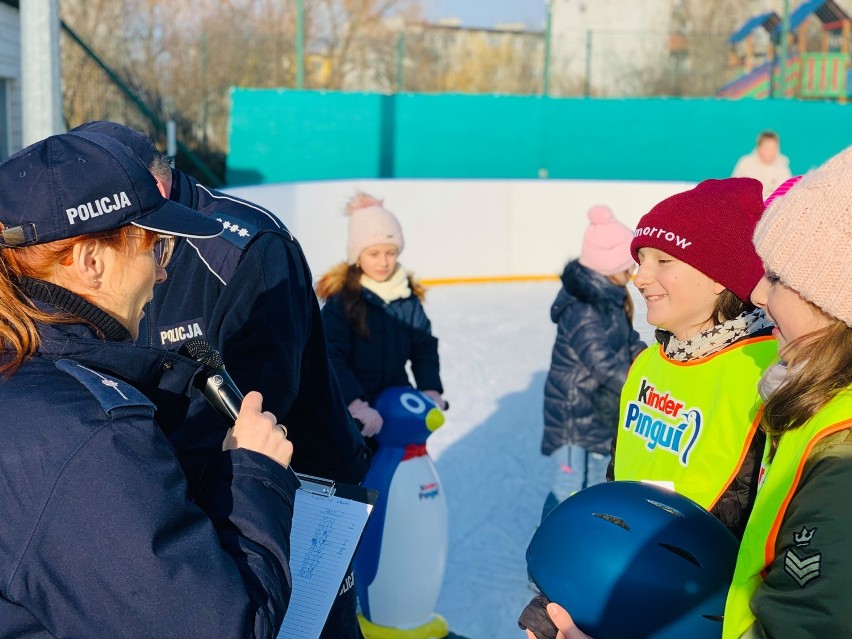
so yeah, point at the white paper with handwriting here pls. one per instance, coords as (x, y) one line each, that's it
(323, 539)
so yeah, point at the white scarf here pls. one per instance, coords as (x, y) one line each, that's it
(394, 288)
(772, 378)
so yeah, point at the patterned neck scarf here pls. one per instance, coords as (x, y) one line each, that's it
(394, 288)
(713, 339)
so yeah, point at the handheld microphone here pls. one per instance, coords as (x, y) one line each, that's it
(213, 380)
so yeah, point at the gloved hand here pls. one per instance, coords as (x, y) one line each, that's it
(535, 619)
(364, 413)
(543, 619)
(435, 396)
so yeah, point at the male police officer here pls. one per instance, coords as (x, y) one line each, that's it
(249, 292)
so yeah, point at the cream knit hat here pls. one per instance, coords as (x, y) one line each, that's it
(805, 237)
(370, 223)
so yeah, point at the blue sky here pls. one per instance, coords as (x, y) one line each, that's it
(487, 13)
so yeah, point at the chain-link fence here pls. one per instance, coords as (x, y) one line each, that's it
(434, 59)
(181, 65)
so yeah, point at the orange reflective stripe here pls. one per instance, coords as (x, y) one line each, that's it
(704, 360)
(751, 432)
(690, 424)
(769, 551)
(783, 475)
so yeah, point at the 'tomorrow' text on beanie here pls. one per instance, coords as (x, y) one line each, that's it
(710, 228)
(805, 237)
(606, 243)
(370, 224)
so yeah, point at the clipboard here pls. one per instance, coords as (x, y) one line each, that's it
(328, 520)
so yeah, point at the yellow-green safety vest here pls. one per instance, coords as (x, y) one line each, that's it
(780, 480)
(689, 424)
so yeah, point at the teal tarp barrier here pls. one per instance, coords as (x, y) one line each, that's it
(282, 135)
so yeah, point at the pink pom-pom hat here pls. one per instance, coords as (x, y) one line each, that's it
(606, 243)
(370, 224)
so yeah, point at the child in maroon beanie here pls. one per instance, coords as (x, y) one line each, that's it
(793, 575)
(690, 407)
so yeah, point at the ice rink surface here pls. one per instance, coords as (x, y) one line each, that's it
(494, 343)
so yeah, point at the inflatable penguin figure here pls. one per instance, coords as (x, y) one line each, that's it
(400, 562)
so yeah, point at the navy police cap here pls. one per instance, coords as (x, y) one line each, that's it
(143, 146)
(80, 183)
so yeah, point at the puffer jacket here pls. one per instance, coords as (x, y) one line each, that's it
(595, 345)
(399, 332)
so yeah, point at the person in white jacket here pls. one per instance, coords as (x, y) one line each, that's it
(765, 163)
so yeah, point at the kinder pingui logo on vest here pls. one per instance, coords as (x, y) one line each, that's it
(179, 333)
(660, 420)
(96, 208)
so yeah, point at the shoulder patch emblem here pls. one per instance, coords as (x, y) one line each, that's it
(110, 392)
(237, 231)
(801, 567)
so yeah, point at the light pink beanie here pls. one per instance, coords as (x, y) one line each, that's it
(370, 223)
(606, 244)
(805, 237)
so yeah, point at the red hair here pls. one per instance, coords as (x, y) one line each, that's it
(18, 315)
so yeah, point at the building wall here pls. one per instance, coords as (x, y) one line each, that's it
(11, 122)
(613, 42)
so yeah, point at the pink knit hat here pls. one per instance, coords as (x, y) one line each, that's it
(710, 228)
(370, 223)
(606, 244)
(805, 237)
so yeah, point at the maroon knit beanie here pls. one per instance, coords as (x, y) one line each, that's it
(710, 228)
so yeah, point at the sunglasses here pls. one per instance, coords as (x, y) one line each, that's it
(163, 249)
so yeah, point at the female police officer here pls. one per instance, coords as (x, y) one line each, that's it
(97, 537)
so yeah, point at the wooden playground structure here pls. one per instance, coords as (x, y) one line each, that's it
(824, 74)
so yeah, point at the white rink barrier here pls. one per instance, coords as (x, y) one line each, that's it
(460, 230)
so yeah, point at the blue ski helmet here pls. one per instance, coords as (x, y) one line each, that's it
(632, 560)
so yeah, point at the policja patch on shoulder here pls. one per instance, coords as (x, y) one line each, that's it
(110, 392)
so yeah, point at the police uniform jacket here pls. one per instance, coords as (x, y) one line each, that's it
(97, 537)
(399, 332)
(250, 294)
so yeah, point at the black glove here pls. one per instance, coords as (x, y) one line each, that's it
(535, 619)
